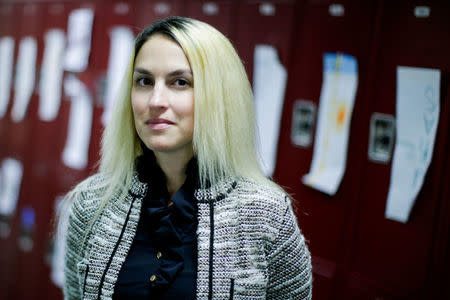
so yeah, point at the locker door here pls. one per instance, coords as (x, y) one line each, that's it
(61, 178)
(324, 26)
(146, 12)
(215, 13)
(7, 28)
(443, 272)
(47, 143)
(20, 134)
(263, 22)
(441, 250)
(109, 16)
(390, 259)
(8, 256)
(264, 32)
(65, 176)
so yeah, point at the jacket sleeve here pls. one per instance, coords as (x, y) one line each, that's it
(289, 261)
(76, 229)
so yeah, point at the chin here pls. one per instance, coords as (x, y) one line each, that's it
(164, 147)
(168, 145)
(161, 149)
(157, 147)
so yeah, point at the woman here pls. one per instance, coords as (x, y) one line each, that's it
(180, 208)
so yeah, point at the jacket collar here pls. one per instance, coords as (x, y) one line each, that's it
(215, 192)
(138, 188)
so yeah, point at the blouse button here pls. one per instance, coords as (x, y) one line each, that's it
(152, 278)
(158, 255)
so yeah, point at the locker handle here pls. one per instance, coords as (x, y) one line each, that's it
(381, 137)
(303, 116)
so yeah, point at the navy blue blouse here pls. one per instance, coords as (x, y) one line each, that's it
(162, 261)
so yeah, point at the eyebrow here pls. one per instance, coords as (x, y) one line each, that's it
(173, 73)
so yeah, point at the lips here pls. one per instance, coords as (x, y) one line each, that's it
(158, 123)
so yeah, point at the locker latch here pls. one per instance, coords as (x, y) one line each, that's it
(381, 139)
(303, 116)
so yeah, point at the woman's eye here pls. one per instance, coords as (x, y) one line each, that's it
(181, 82)
(143, 81)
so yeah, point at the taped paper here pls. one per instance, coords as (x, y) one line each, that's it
(52, 73)
(75, 154)
(6, 72)
(122, 42)
(333, 123)
(10, 180)
(418, 107)
(79, 35)
(25, 78)
(269, 84)
(57, 258)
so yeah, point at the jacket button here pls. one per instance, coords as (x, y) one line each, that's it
(152, 278)
(158, 255)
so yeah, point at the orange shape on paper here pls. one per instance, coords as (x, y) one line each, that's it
(341, 115)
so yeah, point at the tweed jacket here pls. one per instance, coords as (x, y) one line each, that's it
(249, 243)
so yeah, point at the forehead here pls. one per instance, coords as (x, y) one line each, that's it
(159, 51)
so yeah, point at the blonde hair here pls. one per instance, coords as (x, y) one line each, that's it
(224, 126)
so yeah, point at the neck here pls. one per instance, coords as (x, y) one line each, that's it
(174, 167)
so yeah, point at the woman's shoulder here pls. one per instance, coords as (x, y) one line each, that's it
(87, 195)
(92, 182)
(268, 198)
(266, 207)
(265, 192)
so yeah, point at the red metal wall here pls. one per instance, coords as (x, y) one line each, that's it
(357, 253)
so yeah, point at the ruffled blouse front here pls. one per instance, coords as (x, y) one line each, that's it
(162, 260)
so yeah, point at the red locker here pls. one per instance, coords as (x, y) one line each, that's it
(215, 13)
(8, 255)
(7, 28)
(391, 259)
(263, 22)
(321, 27)
(107, 15)
(442, 253)
(61, 177)
(48, 144)
(19, 146)
(146, 12)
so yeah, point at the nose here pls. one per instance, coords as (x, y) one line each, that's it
(158, 98)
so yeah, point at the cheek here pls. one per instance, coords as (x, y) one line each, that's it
(187, 108)
(137, 104)
(191, 116)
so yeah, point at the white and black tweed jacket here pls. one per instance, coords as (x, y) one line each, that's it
(249, 243)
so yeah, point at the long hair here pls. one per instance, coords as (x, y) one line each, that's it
(224, 123)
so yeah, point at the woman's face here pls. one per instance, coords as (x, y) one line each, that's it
(162, 96)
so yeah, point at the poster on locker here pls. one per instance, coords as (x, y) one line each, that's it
(25, 78)
(11, 172)
(57, 254)
(336, 102)
(122, 42)
(6, 72)
(79, 34)
(417, 110)
(50, 85)
(75, 153)
(269, 84)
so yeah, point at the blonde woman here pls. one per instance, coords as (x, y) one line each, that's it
(179, 208)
